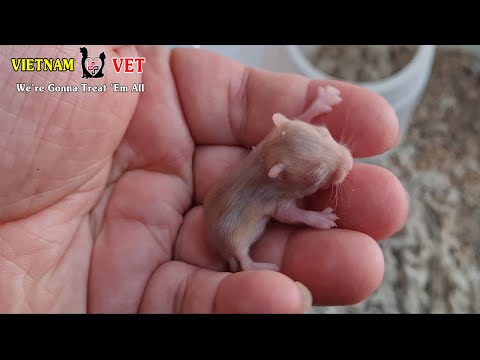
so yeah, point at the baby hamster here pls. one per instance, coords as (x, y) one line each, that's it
(294, 160)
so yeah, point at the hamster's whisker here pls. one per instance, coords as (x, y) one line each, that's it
(331, 194)
(351, 138)
(343, 132)
(342, 138)
(344, 186)
(347, 182)
(336, 195)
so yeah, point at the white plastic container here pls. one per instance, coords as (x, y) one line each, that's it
(403, 90)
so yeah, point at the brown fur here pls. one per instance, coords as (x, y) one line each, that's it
(304, 159)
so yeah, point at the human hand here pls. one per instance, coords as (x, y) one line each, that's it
(101, 193)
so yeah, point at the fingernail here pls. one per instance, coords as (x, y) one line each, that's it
(307, 297)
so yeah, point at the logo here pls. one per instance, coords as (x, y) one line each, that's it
(92, 66)
(43, 64)
(128, 64)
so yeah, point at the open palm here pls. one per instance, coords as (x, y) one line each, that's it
(101, 193)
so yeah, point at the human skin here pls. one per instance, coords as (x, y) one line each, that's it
(101, 193)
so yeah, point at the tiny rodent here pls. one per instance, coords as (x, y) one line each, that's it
(293, 161)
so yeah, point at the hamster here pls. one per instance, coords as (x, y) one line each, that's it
(295, 160)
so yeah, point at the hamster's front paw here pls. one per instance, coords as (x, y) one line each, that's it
(324, 219)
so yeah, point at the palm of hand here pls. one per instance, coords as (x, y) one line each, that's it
(100, 201)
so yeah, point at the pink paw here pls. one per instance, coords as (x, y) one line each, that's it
(328, 96)
(262, 266)
(247, 264)
(325, 219)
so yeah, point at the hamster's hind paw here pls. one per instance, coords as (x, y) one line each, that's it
(327, 97)
(248, 264)
(262, 266)
(330, 90)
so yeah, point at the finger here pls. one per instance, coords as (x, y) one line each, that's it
(181, 288)
(339, 267)
(372, 199)
(237, 103)
(157, 138)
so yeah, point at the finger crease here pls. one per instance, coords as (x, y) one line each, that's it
(237, 107)
(182, 292)
(284, 248)
(171, 60)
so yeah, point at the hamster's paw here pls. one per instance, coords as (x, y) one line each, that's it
(325, 219)
(329, 211)
(263, 266)
(327, 97)
(248, 264)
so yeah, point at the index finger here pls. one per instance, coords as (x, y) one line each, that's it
(227, 103)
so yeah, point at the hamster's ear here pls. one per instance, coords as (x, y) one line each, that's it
(280, 119)
(276, 170)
